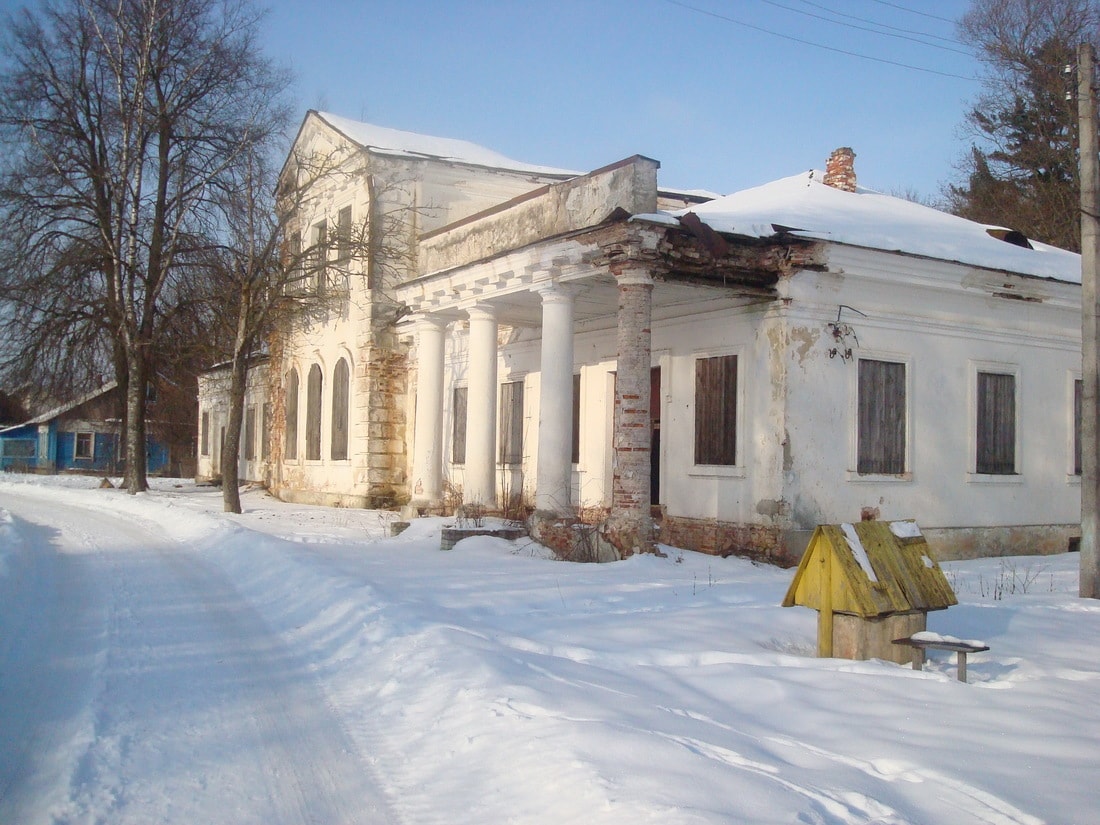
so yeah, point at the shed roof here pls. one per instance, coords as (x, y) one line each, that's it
(873, 568)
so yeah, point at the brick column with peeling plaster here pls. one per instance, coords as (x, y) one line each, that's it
(630, 525)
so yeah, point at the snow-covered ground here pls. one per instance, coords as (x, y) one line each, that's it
(163, 662)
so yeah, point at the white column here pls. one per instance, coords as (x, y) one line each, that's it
(427, 481)
(479, 479)
(554, 473)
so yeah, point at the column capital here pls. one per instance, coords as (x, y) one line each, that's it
(554, 292)
(430, 321)
(482, 312)
(633, 276)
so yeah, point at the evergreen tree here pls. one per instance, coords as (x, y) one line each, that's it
(1021, 169)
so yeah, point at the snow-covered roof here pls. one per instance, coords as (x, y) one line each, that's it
(49, 415)
(805, 206)
(395, 142)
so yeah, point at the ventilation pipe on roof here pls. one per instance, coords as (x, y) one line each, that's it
(840, 170)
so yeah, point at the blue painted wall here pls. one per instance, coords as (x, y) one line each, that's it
(60, 456)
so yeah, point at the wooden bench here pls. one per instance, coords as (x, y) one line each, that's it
(961, 648)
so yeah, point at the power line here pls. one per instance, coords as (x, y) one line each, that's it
(914, 11)
(863, 28)
(817, 45)
(881, 25)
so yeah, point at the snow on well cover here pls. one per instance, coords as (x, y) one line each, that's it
(809, 208)
(410, 144)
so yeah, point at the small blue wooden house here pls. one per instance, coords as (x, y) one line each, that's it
(81, 436)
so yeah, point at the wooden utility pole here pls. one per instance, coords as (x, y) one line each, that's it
(1090, 313)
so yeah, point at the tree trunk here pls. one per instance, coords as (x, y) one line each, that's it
(136, 478)
(231, 446)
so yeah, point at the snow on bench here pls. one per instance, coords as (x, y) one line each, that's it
(920, 642)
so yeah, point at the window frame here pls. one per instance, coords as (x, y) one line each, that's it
(343, 234)
(88, 455)
(575, 435)
(315, 403)
(458, 424)
(340, 417)
(204, 433)
(265, 431)
(249, 435)
(906, 363)
(510, 435)
(291, 407)
(318, 255)
(712, 468)
(1074, 408)
(978, 368)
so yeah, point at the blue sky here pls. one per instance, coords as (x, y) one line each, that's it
(579, 84)
(582, 83)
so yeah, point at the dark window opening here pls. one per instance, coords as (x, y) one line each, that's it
(313, 414)
(511, 423)
(458, 427)
(996, 425)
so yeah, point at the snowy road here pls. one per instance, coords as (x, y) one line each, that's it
(142, 687)
(164, 662)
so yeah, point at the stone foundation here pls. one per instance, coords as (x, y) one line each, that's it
(722, 538)
(785, 547)
(572, 539)
(951, 543)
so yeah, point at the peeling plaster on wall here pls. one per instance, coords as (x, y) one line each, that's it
(772, 508)
(788, 457)
(777, 346)
(803, 342)
(806, 517)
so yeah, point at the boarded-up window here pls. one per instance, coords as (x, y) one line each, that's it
(318, 255)
(716, 410)
(996, 425)
(204, 435)
(881, 417)
(458, 427)
(249, 434)
(340, 387)
(295, 263)
(291, 449)
(1077, 385)
(575, 449)
(313, 414)
(511, 422)
(265, 432)
(343, 234)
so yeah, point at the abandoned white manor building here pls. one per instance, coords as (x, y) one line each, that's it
(738, 369)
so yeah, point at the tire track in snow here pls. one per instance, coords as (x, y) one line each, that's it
(194, 711)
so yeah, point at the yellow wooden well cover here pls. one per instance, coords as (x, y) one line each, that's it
(870, 568)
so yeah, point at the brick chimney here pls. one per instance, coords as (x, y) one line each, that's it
(840, 170)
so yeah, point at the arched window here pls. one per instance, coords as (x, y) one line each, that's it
(340, 395)
(291, 450)
(313, 414)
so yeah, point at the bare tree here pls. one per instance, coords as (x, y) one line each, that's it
(266, 282)
(123, 122)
